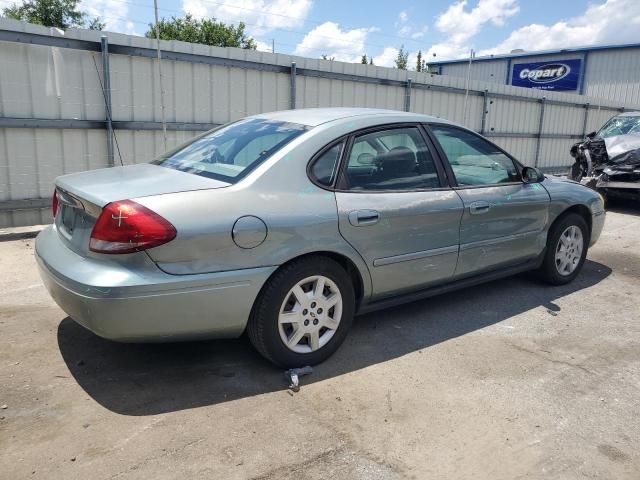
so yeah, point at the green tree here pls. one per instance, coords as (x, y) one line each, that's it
(401, 59)
(370, 60)
(363, 60)
(324, 56)
(52, 13)
(419, 62)
(96, 24)
(208, 31)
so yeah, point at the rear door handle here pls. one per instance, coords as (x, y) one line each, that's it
(362, 218)
(477, 208)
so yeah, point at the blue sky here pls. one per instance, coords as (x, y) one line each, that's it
(347, 29)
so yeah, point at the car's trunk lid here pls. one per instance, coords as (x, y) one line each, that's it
(81, 196)
(121, 183)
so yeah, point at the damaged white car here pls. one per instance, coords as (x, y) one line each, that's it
(609, 160)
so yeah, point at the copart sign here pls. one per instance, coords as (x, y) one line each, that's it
(561, 75)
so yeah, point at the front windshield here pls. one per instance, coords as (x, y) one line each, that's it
(620, 126)
(230, 152)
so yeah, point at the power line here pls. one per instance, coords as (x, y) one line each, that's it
(323, 50)
(347, 27)
(107, 108)
(315, 22)
(147, 24)
(164, 121)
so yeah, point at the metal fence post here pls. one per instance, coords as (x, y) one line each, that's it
(584, 121)
(407, 96)
(484, 111)
(106, 84)
(540, 124)
(293, 85)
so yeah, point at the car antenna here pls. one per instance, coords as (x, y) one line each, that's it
(108, 109)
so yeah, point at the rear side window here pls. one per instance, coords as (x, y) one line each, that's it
(323, 169)
(230, 152)
(474, 160)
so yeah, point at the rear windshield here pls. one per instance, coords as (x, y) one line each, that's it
(230, 152)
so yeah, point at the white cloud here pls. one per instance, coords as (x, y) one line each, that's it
(420, 33)
(406, 29)
(386, 58)
(329, 39)
(114, 13)
(460, 24)
(445, 50)
(615, 21)
(263, 46)
(260, 16)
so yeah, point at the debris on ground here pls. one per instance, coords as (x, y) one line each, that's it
(293, 376)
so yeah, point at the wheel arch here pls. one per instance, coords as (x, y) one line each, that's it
(579, 209)
(356, 276)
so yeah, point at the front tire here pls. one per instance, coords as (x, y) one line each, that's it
(303, 313)
(567, 245)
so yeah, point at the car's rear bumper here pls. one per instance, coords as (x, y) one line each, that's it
(136, 301)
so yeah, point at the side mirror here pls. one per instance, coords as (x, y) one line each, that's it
(532, 175)
(591, 135)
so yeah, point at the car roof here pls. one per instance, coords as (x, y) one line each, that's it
(317, 116)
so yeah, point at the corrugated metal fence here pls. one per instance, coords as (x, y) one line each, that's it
(54, 89)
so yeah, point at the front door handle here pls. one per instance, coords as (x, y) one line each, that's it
(477, 208)
(362, 218)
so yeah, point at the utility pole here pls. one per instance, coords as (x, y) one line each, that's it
(273, 45)
(164, 121)
(472, 55)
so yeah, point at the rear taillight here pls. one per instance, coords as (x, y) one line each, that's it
(127, 226)
(54, 203)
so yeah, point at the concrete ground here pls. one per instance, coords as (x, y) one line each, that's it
(512, 379)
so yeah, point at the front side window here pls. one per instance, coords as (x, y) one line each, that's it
(395, 159)
(474, 160)
(233, 150)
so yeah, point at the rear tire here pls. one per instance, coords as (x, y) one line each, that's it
(567, 245)
(303, 312)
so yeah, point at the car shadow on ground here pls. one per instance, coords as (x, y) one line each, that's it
(148, 379)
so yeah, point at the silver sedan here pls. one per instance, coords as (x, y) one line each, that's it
(288, 224)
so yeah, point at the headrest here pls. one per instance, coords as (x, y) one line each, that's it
(398, 161)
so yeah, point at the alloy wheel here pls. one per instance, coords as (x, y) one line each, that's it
(569, 250)
(310, 314)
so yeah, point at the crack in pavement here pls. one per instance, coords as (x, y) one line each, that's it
(538, 353)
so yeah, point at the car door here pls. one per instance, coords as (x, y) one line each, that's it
(504, 220)
(395, 209)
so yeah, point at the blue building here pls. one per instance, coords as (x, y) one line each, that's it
(608, 71)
